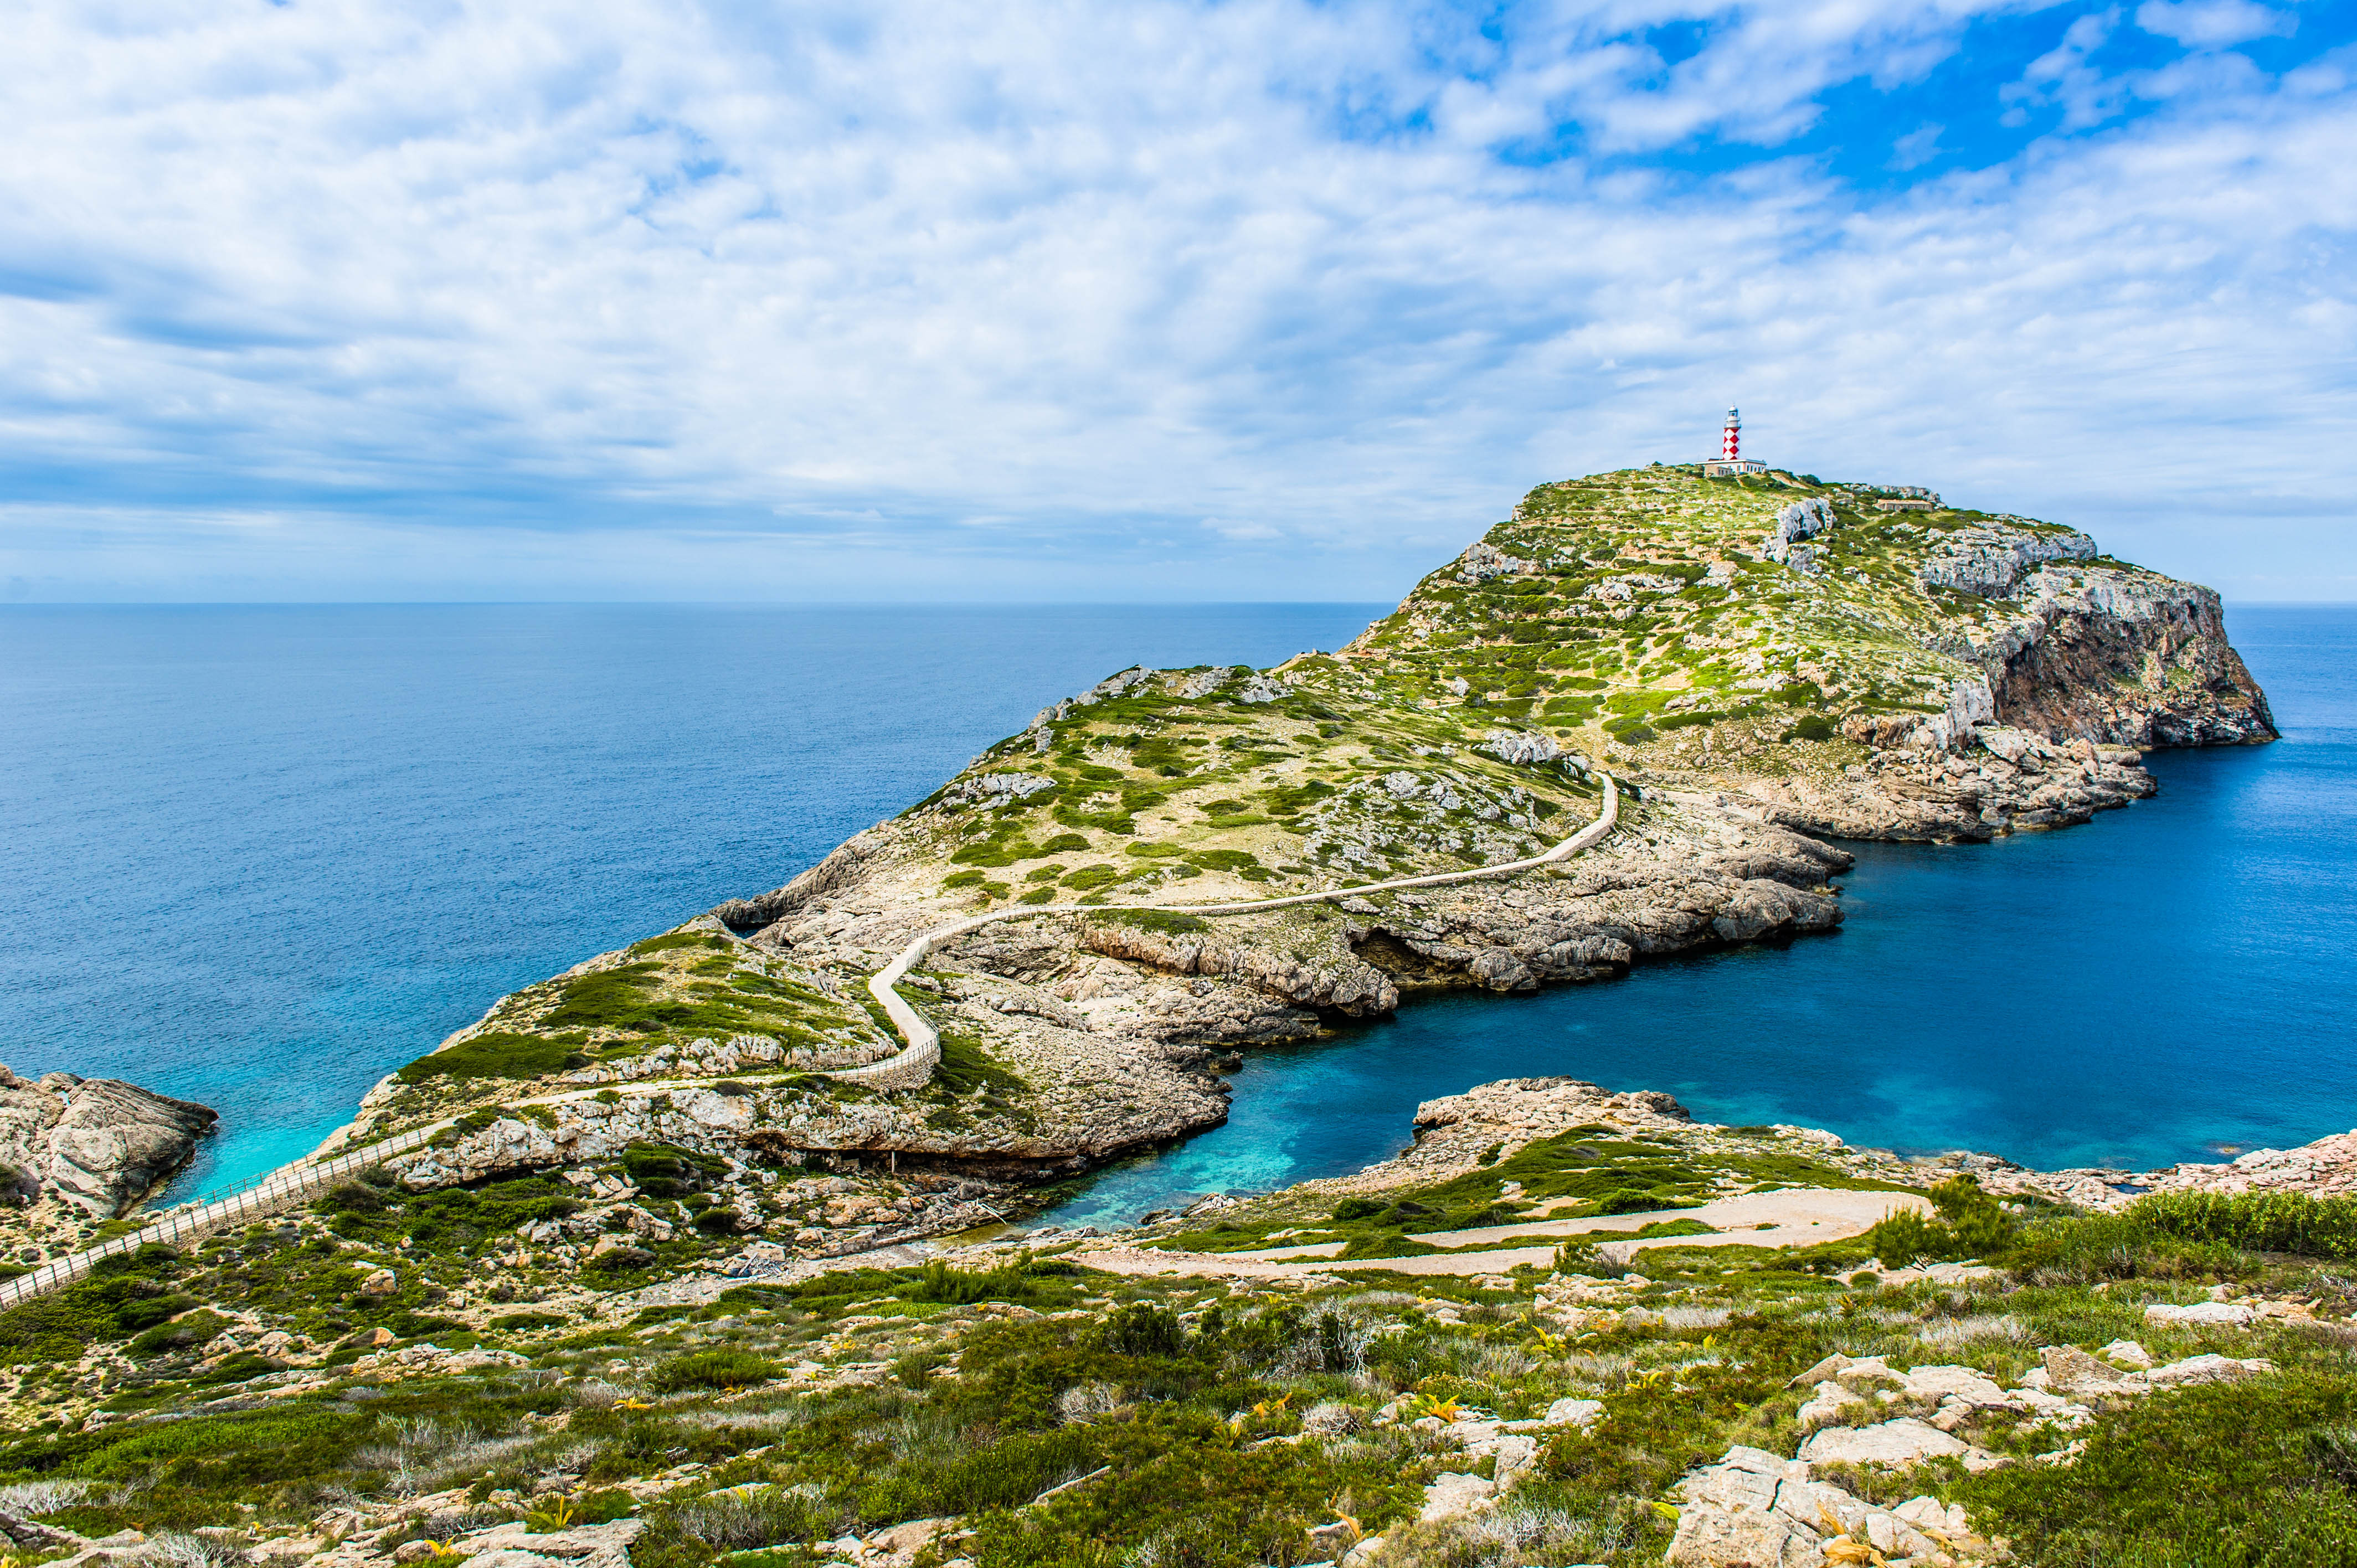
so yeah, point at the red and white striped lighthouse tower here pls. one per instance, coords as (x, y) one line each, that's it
(1730, 459)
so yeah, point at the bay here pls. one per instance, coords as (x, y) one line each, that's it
(2171, 981)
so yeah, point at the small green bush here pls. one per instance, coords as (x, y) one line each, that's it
(2257, 1222)
(720, 1368)
(499, 1054)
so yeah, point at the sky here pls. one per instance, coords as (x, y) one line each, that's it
(1141, 300)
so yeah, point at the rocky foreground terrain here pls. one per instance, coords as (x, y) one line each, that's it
(1383, 1370)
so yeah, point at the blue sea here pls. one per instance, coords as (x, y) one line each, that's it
(259, 857)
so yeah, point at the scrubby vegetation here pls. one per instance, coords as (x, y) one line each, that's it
(1205, 1423)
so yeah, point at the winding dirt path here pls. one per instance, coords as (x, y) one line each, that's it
(909, 1066)
(913, 1064)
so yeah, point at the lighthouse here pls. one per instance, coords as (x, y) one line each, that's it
(1730, 451)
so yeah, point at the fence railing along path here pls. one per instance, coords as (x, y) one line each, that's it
(250, 1199)
(912, 1065)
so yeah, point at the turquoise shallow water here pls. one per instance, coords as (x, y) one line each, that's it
(259, 857)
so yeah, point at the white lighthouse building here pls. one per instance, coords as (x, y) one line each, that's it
(1731, 459)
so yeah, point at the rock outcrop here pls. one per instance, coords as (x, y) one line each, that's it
(98, 1144)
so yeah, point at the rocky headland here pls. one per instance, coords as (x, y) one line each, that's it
(1766, 663)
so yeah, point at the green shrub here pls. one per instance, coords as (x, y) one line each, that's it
(1971, 1225)
(1143, 1329)
(2257, 1222)
(665, 1170)
(498, 1054)
(1813, 726)
(525, 1322)
(720, 1368)
(2247, 1473)
(1351, 1209)
(1089, 878)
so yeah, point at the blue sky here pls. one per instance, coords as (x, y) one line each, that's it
(1135, 300)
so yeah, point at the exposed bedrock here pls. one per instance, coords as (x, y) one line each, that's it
(2132, 663)
(97, 1143)
(1279, 976)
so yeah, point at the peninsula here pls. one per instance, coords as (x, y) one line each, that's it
(1767, 660)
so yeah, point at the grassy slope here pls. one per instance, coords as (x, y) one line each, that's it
(861, 1400)
(1645, 616)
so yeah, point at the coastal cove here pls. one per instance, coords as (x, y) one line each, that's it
(345, 830)
(2169, 983)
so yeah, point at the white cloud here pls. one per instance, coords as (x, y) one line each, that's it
(1227, 529)
(881, 299)
(2213, 24)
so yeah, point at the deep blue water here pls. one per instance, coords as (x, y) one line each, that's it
(2168, 982)
(259, 857)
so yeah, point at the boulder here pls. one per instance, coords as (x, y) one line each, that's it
(1582, 1413)
(515, 1545)
(98, 1144)
(1452, 1496)
(2201, 1369)
(1752, 1509)
(1903, 1442)
(2070, 1370)
(1710, 1537)
(2227, 1314)
(1929, 1513)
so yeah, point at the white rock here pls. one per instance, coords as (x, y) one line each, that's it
(1453, 1496)
(2233, 1314)
(1937, 1384)
(1517, 1456)
(1708, 1538)
(1582, 1413)
(1903, 1442)
(2126, 1353)
(1930, 1513)
(2202, 1370)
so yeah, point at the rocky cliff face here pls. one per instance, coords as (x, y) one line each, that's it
(97, 1144)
